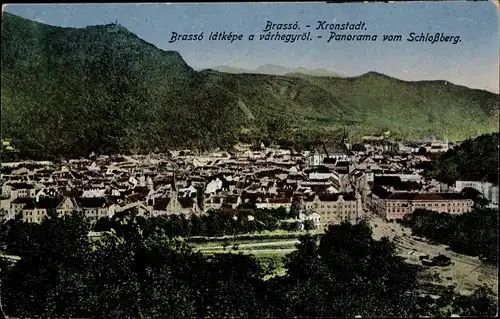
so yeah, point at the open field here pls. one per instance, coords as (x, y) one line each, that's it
(465, 274)
(243, 243)
(252, 237)
(277, 244)
(255, 252)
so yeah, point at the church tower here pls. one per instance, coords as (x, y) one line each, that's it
(173, 184)
(173, 205)
(345, 140)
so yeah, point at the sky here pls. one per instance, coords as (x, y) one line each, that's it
(473, 62)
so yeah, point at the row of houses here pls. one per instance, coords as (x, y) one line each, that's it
(326, 208)
(329, 184)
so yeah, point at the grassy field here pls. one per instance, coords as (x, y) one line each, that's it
(239, 242)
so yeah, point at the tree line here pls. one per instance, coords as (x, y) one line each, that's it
(136, 273)
(474, 233)
(213, 224)
(477, 156)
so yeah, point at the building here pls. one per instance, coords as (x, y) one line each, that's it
(93, 208)
(213, 202)
(36, 209)
(334, 208)
(174, 206)
(274, 203)
(310, 215)
(394, 206)
(485, 184)
(332, 153)
(18, 190)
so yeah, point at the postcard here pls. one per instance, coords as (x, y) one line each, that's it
(250, 160)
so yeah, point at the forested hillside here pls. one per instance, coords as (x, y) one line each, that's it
(67, 92)
(477, 157)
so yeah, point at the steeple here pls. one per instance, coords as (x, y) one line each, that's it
(174, 182)
(345, 140)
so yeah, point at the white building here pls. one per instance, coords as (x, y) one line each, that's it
(486, 185)
(213, 186)
(321, 176)
(18, 190)
(310, 215)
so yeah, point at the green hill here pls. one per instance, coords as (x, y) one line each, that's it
(476, 157)
(67, 92)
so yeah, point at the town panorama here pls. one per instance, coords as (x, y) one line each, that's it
(148, 172)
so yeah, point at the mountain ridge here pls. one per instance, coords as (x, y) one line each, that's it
(272, 69)
(141, 98)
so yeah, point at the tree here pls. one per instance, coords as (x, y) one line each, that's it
(195, 223)
(2, 312)
(103, 224)
(290, 226)
(477, 156)
(480, 304)
(301, 264)
(280, 213)
(479, 200)
(348, 274)
(422, 151)
(235, 288)
(51, 279)
(139, 271)
(358, 147)
(474, 233)
(295, 209)
(309, 224)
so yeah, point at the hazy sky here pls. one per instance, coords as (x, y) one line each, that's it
(473, 62)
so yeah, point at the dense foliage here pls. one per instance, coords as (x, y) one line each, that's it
(477, 156)
(474, 233)
(137, 273)
(211, 224)
(130, 274)
(347, 274)
(479, 304)
(103, 89)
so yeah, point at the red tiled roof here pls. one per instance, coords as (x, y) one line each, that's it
(21, 186)
(332, 197)
(44, 203)
(426, 196)
(93, 202)
(186, 202)
(282, 200)
(161, 203)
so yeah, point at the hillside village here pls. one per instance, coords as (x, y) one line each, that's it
(325, 186)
